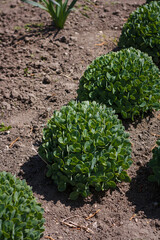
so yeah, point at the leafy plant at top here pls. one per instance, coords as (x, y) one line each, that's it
(128, 81)
(20, 214)
(85, 146)
(148, 1)
(155, 164)
(142, 30)
(58, 10)
(4, 128)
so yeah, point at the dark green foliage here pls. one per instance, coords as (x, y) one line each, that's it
(20, 215)
(142, 30)
(148, 1)
(128, 81)
(85, 146)
(155, 164)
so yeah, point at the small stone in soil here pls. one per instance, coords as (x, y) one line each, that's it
(6, 105)
(117, 12)
(46, 80)
(14, 93)
(63, 39)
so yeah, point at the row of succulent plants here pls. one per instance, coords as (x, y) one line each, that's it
(85, 144)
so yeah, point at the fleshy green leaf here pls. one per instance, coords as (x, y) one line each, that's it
(73, 195)
(96, 150)
(19, 211)
(131, 90)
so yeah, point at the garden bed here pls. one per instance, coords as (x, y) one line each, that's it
(40, 71)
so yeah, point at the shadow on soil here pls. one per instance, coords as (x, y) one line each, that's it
(144, 195)
(127, 122)
(37, 31)
(34, 172)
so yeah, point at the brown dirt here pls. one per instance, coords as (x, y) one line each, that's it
(40, 70)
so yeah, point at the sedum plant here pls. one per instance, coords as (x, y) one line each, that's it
(142, 30)
(148, 1)
(58, 9)
(86, 147)
(20, 215)
(155, 164)
(128, 81)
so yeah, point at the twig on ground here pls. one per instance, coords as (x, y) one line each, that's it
(69, 218)
(75, 225)
(48, 237)
(92, 215)
(63, 75)
(30, 132)
(78, 226)
(155, 145)
(100, 44)
(70, 224)
(132, 217)
(12, 143)
(154, 134)
(158, 116)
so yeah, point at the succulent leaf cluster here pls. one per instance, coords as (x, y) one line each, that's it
(127, 80)
(21, 217)
(142, 30)
(148, 1)
(86, 147)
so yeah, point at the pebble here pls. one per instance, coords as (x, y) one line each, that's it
(31, 98)
(44, 57)
(117, 12)
(73, 38)
(102, 15)
(139, 163)
(6, 95)
(107, 9)
(6, 105)
(14, 93)
(54, 55)
(38, 64)
(63, 39)
(12, 6)
(54, 66)
(58, 71)
(35, 128)
(46, 80)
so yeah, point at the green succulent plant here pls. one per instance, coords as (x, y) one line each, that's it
(21, 217)
(86, 147)
(142, 30)
(155, 164)
(148, 1)
(127, 80)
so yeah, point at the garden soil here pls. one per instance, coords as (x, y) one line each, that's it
(40, 68)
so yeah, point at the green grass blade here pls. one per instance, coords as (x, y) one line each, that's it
(51, 10)
(64, 7)
(55, 2)
(4, 128)
(35, 4)
(71, 5)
